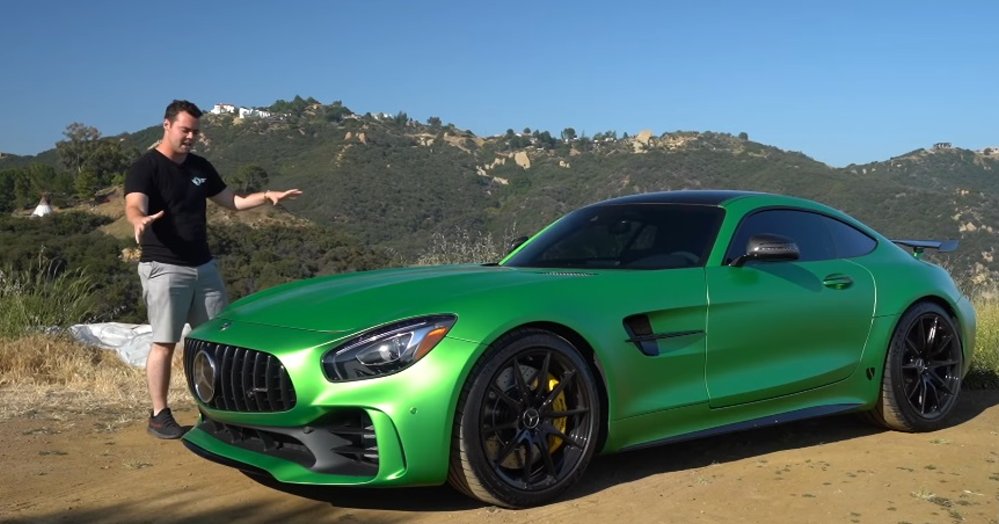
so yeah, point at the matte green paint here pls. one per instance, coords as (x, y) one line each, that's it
(757, 352)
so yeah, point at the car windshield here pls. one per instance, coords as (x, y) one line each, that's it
(625, 236)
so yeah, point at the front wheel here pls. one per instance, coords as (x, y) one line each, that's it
(527, 421)
(922, 377)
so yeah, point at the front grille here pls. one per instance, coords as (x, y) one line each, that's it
(342, 442)
(245, 380)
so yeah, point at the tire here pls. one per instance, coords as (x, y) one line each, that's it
(922, 376)
(519, 441)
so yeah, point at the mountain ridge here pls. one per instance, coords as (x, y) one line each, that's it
(395, 183)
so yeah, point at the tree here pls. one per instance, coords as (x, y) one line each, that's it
(80, 142)
(86, 184)
(568, 134)
(109, 161)
(743, 136)
(248, 179)
(24, 191)
(606, 135)
(545, 140)
(21, 187)
(434, 121)
(336, 112)
(7, 190)
(99, 160)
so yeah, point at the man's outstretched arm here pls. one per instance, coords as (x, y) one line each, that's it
(229, 200)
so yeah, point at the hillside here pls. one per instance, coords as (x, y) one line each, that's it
(393, 182)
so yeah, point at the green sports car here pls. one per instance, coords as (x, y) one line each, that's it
(633, 322)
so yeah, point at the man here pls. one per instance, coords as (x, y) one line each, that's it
(165, 194)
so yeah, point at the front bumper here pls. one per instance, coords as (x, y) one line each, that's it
(391, 430)
(342, 449)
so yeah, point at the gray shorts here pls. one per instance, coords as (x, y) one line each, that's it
(178, 294)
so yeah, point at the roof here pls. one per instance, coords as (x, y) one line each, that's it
(700, 197)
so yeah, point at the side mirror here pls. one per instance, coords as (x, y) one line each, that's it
(515, 243)
(768, 248)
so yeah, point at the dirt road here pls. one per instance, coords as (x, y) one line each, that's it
(829, 470)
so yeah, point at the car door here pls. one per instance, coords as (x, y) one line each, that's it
(781, 327)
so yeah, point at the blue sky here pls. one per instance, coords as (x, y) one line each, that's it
(843, 82)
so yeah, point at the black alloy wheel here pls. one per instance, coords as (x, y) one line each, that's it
(527, 425)
(922, 371)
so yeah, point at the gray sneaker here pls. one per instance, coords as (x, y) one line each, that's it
(164, 426)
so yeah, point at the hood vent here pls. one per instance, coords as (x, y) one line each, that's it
(568, 274)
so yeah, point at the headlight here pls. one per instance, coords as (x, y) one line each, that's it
(387, 349)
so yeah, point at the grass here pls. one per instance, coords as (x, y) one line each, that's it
(41, 296)
(58, 377)
(984, 373)
(459, 246)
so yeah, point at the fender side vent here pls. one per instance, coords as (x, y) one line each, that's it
(639, 331)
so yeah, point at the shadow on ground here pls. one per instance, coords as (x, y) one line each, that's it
(610, 470)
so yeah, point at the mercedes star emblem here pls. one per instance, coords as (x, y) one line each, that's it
(204, 376)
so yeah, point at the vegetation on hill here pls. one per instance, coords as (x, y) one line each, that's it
(395, 183)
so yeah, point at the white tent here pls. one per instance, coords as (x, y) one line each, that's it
(43, 208)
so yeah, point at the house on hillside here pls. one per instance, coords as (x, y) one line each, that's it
(241, 112)
(246, 112)
(220, 109)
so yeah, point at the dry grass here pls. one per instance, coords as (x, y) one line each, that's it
(460, 247)
(985, 363)
(55, 377)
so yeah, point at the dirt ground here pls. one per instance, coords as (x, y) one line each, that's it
(829, 470)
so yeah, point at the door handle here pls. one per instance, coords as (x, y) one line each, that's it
(837, 281)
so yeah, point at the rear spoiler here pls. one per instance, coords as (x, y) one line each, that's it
(918, 246)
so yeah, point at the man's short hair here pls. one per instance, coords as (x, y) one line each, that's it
(181, 106)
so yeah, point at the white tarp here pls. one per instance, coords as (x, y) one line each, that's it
(130, 341)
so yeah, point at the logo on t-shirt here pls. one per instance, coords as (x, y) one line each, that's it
(198, 180)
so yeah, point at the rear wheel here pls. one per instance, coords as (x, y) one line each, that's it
(922, 377)
(527, 421)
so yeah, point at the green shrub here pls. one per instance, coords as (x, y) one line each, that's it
(40, 297)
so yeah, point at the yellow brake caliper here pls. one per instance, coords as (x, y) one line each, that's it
(514, 460)
(557, 405)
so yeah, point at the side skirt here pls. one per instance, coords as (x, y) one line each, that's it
(762, 422)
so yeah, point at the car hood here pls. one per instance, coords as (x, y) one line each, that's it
(351, 302)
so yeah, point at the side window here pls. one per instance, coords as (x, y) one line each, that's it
(850, 242)
(602, 239)
(808, 230)
(646, 238)
(628, 236)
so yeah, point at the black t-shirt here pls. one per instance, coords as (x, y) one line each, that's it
(180, 236)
